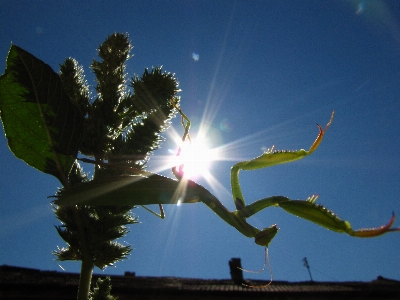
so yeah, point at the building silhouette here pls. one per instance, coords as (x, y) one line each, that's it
(25, 283)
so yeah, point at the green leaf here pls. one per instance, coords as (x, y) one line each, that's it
(134, 190)
(42, 126)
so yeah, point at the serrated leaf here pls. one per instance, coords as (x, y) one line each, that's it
(42, 126)
(134, 190)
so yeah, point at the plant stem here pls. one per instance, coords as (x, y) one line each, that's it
(87, 261)
(85, 279)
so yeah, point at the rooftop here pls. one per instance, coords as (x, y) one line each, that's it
(25, 283)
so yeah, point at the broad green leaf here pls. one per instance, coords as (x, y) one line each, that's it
(42, 126)
(134, 190)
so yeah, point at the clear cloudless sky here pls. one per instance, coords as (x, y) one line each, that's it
(256, 74)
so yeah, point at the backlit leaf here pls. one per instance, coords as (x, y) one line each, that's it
(42, 126)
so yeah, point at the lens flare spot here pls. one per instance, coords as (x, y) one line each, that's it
(225, 125)
(360, 8)
(195, 56)
(39, 30)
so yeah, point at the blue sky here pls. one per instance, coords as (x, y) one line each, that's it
(257, 74)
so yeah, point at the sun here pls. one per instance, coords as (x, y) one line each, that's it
(196, 158)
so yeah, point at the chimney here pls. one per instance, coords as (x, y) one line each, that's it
(236, 271)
